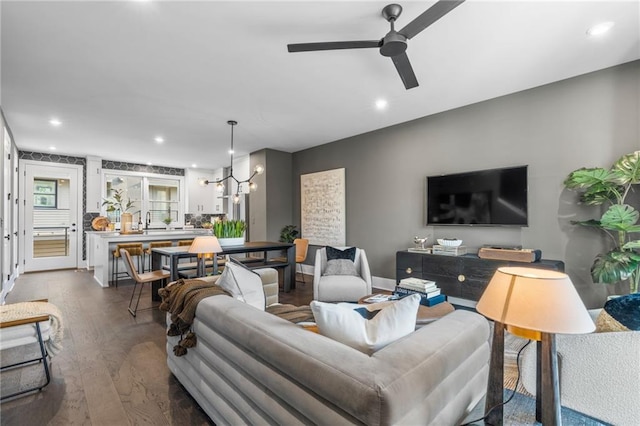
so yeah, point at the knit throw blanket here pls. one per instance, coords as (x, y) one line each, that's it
(181, 300)
(292, 313)
(24, 310)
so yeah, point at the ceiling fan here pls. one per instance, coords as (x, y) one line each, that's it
(394, 43)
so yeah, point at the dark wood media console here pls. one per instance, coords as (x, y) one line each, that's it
(464, 277)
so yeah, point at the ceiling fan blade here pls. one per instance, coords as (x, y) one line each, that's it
(429, 16)
(405, 70)
(333, 45)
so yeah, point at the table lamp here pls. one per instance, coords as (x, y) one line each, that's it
(205, 247)
(535, 304)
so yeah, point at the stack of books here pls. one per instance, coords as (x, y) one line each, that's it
(429, 291)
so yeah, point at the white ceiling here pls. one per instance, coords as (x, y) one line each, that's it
(117, 74)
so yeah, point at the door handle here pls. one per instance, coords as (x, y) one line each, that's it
(7, 237)
(73, 230)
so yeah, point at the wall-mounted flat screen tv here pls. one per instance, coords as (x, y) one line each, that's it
(496, 197)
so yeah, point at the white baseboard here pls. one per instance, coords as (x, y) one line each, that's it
(383, 283)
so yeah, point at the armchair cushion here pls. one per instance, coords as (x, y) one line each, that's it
(348, 326)
(340, 267)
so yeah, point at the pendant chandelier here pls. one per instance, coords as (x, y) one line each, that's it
(258, 169)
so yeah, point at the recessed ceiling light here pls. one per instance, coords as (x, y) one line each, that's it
(381, 104)
(55, 122)
(600, 29)
(194, 166)
(52, 148)
(149, 163)
(159, 139)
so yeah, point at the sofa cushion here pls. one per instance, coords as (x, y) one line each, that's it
(349, 327)
(340, 267)
(620, 314)
(243, 284)
(348, 253)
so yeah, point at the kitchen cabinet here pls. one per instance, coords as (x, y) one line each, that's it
(94, 184)
(203, 199)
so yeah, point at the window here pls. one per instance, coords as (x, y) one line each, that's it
(154, 197)
(163, 200)
(45, 194)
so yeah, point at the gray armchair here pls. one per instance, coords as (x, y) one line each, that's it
(341, 288)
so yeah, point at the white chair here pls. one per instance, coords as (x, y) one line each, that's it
(599, 374)
(341, 288)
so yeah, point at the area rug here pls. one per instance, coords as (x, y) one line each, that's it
(521, 410)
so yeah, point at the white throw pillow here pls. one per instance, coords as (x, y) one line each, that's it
(243, 284)
(349, 327)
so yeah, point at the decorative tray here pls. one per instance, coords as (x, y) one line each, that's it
(100, 223)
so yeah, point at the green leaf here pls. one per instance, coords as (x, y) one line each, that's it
(586, 177)
(619, 217)
(631, 245)
(628, 168)
(601, 193)
(599, 185)
(613, 267)
(588, 223)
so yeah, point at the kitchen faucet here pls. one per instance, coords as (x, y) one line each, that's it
(148, 221)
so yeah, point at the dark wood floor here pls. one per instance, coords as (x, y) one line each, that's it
(112, 369)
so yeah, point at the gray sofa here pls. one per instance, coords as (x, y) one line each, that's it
(251, 367)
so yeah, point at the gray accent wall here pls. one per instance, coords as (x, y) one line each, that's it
(586, 121)
(270, 205)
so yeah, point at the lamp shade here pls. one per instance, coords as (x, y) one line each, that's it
(205, 244)
(535, 299)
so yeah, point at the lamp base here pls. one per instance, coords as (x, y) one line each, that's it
(547, 392)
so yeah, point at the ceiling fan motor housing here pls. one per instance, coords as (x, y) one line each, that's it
(393, 44)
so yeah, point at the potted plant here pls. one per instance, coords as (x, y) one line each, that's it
(288, 234)
(610, 188)
(229, 232)
(119, 203)
(167, 221)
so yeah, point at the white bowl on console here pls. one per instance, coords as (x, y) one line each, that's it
(449, 242)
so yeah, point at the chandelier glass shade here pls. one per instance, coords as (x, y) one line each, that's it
(220, 183)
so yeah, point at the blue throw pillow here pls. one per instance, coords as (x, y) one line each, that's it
(334, 253)
(620, 313)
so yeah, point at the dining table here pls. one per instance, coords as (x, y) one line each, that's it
(175, 253)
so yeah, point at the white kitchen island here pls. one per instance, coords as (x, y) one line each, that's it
(100, 245)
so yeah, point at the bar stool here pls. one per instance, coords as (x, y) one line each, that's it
(134, 249)
(153, 244)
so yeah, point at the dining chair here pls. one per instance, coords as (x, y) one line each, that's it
(134, 249)
(140, 279)
(152, 245)
(302, 247)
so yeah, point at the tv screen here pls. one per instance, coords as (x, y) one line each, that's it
(495, 197)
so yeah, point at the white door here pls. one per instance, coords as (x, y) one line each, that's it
(51, 237)
(6, 222)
